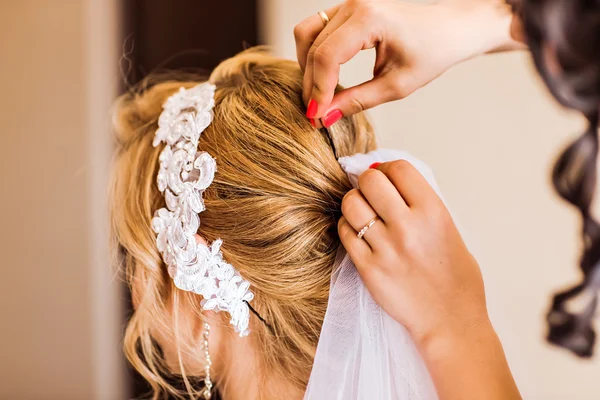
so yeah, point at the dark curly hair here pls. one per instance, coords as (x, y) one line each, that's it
(564, 38)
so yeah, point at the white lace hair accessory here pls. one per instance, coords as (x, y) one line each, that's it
(184, 174)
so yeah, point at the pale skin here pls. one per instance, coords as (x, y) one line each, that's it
(413, 260)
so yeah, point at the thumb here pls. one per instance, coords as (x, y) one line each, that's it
(381, 89)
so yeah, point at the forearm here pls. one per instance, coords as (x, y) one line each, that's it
(484, 26)
(469, 365)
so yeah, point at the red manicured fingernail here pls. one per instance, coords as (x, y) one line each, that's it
(331, 118)
(374, 165)
(311, 109)
(312, 122)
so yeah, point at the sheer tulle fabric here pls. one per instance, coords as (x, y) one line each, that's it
(363, 353)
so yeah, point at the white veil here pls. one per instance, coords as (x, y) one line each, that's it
(363, 353)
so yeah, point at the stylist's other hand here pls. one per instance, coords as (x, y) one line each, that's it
(414, 44)
(418, 269)
(413, 259)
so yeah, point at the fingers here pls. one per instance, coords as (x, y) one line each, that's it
(382, 195)
(412, 186)
(307, 31)
(357, 248)
(379, 90)
(334, 23)
(359, 213)
(331, 49)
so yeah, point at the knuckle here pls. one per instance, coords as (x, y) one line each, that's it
(402, 88)
(340, 225)
(367, 9)
(351, 200)
(317, 90)
(399, 88)
(367, 178)
(388, 253)
(300, 32)
(311, 54)
(346, 234)
(353, 5)
(356, 105)
(388, 262)
(402, 168)
(343, 228)
(322, 55)
(350, 195)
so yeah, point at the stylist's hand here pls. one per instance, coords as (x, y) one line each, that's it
(413, 260)
(418, 269)
(414, 44)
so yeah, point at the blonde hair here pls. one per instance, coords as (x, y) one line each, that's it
(275, 202)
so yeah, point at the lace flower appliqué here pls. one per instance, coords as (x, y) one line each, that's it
(184, 174)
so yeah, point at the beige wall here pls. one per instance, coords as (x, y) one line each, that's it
(490, 132)
(59, 336)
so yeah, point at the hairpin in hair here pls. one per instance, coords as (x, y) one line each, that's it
(330, 140)
(184, 174)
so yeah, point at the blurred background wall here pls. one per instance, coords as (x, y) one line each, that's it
(62, 63)
(490, 131)
(60, 307)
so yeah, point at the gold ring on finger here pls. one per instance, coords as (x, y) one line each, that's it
(324, 18)
(364, 230)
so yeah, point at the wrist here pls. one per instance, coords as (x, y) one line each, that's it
(482, 26)
(473, 358)
(450, 340)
